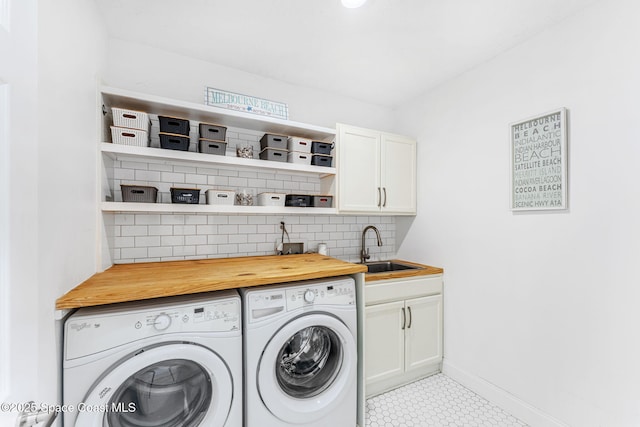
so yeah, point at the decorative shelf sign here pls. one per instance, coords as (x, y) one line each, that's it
(539, 162)
(245, 103)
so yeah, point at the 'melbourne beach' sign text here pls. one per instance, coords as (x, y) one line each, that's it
(539, 162)
(245, 103)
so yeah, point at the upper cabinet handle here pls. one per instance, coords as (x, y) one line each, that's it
(384, 205)
(379, 197)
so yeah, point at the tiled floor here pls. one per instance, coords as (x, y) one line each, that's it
(435, 401)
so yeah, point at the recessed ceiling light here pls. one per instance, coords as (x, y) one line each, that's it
(352, 4)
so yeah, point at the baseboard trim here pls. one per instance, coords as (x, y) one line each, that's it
(505, 400)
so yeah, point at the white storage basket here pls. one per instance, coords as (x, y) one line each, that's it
(299, 144)
(299, 158)
(220, 197)
(271, 199)
(125, 136)
(130, 119)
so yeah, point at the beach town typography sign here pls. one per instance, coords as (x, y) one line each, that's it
(245, 103)
(539, 162)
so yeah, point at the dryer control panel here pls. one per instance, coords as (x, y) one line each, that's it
(92, 330)
(300, 295)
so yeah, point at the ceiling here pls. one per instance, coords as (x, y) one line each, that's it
(385, 53)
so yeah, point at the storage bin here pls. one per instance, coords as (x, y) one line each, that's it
(321, 160)
(170, 141)
(139, 193)
(274, 154)
(124, 136)
(185, 195)
(271, 199)
(174, 125)
(273, 141)
(298, 200)
(299, 158)
(212, 147)
(302, 145)
(318, 147)
(214, 132)
(321, 201)
(130, 119)
(220, 197)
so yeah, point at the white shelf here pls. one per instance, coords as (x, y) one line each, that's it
(201, 208)
(127, 152)
(113, 97)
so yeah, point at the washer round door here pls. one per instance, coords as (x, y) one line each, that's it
(170, 385)
(307, 368)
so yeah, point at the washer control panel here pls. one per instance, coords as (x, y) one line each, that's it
(301, 295)
(91, 330)
(337, 293)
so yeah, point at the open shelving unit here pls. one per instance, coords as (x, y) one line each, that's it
(113, 97)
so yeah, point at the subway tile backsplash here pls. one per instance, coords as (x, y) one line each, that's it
(164, 237)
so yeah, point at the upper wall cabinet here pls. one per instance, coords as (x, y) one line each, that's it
(376, 172)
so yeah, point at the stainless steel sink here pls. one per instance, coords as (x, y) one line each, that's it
(386, 266)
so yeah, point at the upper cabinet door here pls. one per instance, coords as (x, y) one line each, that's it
(398, 168)
(358, 165)
(376, 172)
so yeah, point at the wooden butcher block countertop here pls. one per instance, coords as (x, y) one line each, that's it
(132, 282)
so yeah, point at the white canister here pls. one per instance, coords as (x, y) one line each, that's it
(322, 248)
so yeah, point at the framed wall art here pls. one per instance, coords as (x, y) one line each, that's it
(539, 162)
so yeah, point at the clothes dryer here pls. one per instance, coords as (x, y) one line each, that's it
(171, 362)
(301, 354)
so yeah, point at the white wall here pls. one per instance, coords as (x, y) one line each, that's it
(18, 208)
(543, 306)
(72, 48)
(148, 70)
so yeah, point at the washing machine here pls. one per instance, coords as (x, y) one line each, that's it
(171, 362)
(301, 354)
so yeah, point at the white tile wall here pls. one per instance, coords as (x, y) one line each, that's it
(163, 237)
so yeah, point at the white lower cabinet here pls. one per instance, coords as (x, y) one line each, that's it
(403, 331)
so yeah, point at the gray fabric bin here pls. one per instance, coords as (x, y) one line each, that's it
(139, 194)
(274, 154)
(273, 141)
(212, 147)
(213, 132)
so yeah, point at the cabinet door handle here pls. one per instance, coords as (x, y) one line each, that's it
(379, 197)
(384, 189)
(404, 318)
(410, 317)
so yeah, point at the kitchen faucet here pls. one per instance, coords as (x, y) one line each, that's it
(364, 253)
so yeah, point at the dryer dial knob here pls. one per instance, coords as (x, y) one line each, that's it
(162, 322)
(309, 295)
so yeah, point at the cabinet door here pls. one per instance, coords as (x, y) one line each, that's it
(423, 333)
(399, 177)
(358, 165)
(384, 341)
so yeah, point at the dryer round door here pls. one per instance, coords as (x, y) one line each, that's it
(307, 368)
(170, 385)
